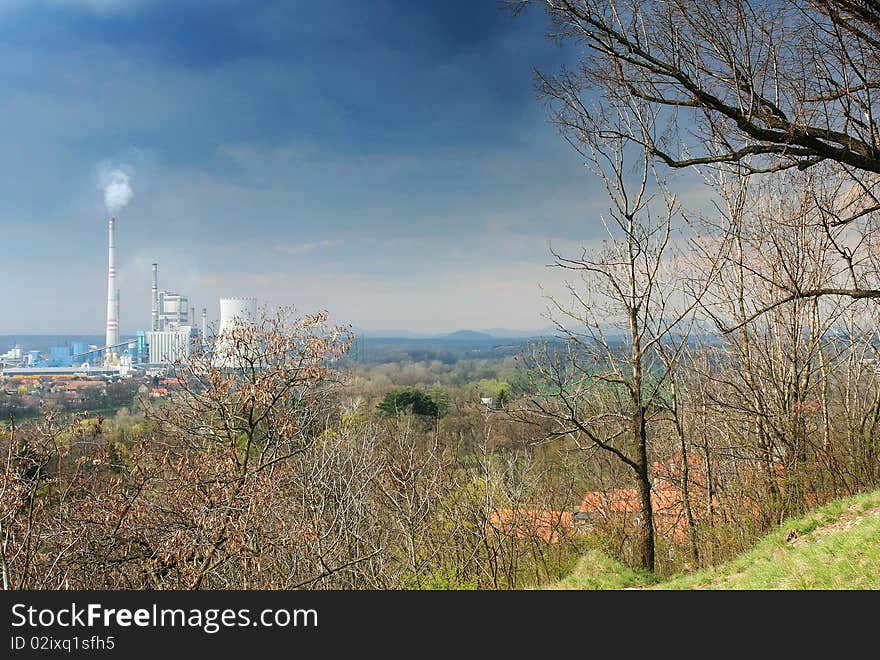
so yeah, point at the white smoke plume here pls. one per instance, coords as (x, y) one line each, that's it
(116, 183)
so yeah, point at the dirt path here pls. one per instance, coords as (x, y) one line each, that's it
(846, 521)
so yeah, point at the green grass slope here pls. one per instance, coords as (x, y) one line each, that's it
(597, 571)
(834, 547)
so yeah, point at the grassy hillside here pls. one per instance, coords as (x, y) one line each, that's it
(835, 547)
(597, 571)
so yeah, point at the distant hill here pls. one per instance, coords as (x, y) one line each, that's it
(507, 333)
(469, 335)
(390, 333)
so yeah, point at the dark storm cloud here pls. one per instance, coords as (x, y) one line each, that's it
(378, 132)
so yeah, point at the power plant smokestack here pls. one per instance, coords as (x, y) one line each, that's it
(204, 323)
(112, 312)
(154, 316)
(192, 316)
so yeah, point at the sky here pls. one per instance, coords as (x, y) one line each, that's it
(387, 161)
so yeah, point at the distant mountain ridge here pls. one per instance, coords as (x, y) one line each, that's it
(468, 335)
(457, 335)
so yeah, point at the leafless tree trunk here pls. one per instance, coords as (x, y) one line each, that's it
(605, 385)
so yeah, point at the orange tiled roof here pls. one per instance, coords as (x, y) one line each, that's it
(665, 498)
(547, 525)
(619, 500)
(80, 384)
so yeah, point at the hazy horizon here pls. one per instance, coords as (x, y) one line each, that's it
(390, 333)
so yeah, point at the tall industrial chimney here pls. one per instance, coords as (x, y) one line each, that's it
(154, 315)
(204, 323)
(112, 317)
(191, 319)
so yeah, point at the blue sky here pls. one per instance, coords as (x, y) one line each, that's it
(387, 161)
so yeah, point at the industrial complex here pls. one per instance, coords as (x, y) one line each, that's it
(171, 337)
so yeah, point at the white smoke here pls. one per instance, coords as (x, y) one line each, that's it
(116, 183)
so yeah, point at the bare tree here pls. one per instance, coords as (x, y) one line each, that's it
(756, 86)
(776, 373)
(605, 386)
(44, 472)
(200, 502)
(793, 80)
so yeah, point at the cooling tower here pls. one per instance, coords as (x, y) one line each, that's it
(112, 318)
(233, 312)
(236, 310)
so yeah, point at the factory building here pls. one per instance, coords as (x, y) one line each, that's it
(76, 354)
(60, 356)
(13, 357)
(168, 346)
(172, 311)
(171, 334)
(170, 337)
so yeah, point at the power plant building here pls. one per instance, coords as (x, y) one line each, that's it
(173, 311)
(170, 311)
(168, 346)
(171, 337)
(13, 357)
